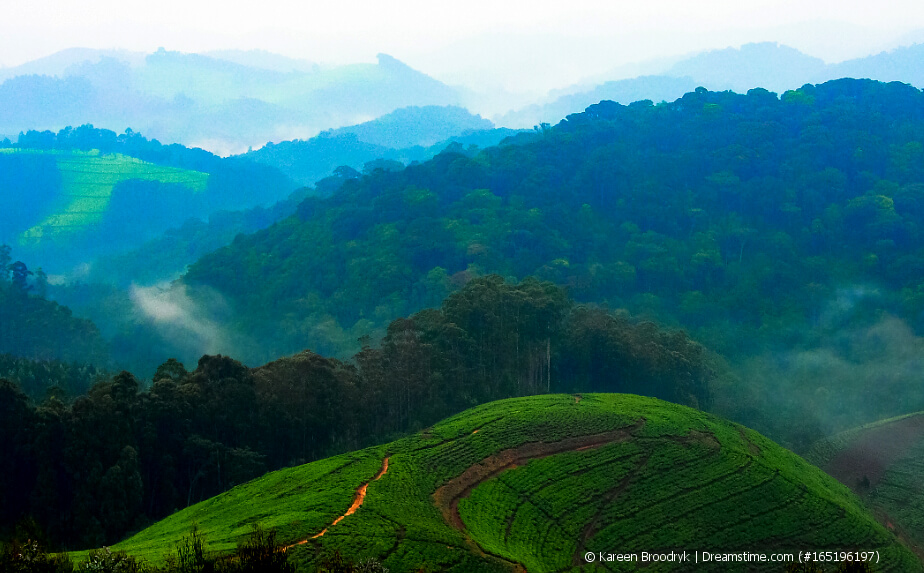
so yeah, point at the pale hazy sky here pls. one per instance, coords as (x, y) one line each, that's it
(519, 44)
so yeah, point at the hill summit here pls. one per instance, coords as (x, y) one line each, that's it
(536, 483)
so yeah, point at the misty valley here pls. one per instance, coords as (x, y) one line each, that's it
(259, 314)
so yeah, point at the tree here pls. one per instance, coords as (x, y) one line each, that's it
(20, 277)
(122, 494)
(41, 283)
(17, 464)
(172, 369)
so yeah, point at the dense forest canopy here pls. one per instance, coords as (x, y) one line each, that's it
(689, 207)
(762, 224)
(88, 470)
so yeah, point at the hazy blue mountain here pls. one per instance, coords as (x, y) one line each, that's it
(226, 102)
(405, 135)
(264, 60)
(410, 126)
(58, 64)
(357, 92)
(310, 160)
(45, 100)
(904, 64)
(766, 65)
(307, 162)
(167, 74)
(655, 88)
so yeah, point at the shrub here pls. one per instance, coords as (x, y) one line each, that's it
(30, 557)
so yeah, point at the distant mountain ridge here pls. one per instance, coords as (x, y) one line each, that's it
(768, 65)
(227, 101)
(405, 135)
(57, 64)
(902, 64)
(410, 126)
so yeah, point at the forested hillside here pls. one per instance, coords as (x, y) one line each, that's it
(88, 471)
(760, 223)
(71, 196)
(35, 328)
(41, 379)
(405, 135)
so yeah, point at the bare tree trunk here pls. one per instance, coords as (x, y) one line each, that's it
(548, 365)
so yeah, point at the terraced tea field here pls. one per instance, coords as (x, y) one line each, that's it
(531, 484)
(884, 463)
(87, 180)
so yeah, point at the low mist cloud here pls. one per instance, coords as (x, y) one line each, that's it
(184, 322)
(859, 365)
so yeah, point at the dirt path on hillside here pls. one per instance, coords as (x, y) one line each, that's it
(447, 497)
(358, 500)
(875, 451)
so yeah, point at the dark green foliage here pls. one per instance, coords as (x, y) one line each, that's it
(39, 377)
(107, 561)
(121, 455)
(30, 557)
(17, 465)
(758, 223)
(38, 329)
(260, 553)
(192, 556)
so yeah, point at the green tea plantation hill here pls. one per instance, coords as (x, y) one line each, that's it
(534, 483)
(70, 196)
(884, 463)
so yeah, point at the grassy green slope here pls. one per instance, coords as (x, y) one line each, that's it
(537, 481)
(87, 180)
(884, 463)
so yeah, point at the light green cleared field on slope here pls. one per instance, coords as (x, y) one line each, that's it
(87, 181)
(533, 483)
